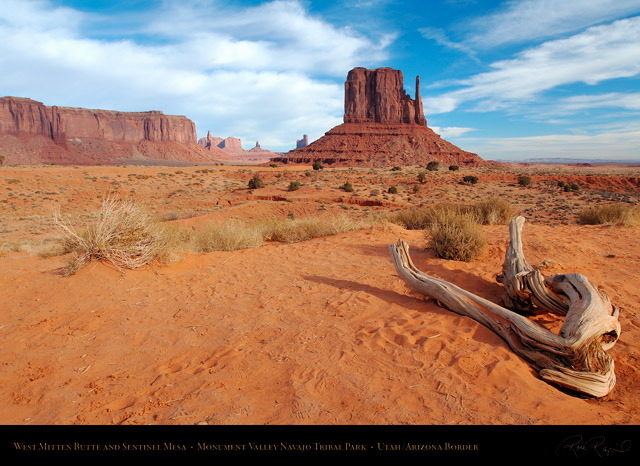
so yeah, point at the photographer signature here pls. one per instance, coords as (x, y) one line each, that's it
(594, 445)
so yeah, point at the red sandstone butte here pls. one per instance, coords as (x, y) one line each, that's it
(232, 147)
(31, 132)
(382, 126)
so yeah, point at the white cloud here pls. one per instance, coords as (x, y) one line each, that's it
(524, 20)
(451, 131)
(440, 37)
(628, 101)
(600, 53)
(243, 72)
(622, 144)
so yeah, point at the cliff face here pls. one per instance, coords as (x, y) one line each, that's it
(378, 96)
(382, 126)
(28, 117)
(32, 132)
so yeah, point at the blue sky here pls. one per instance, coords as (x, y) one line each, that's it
(509, 80)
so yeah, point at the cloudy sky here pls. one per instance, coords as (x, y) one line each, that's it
(509, 80)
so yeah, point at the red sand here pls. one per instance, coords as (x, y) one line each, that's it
(319, 332)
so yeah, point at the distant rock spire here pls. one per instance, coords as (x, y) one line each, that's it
(420, 119)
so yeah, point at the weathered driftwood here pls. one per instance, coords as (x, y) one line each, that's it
(575, 359)
(524, 286)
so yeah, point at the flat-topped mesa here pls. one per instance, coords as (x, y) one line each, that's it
(378, 96)
(29, 117)
(31, 133)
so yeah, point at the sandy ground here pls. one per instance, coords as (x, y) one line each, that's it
(318, 332)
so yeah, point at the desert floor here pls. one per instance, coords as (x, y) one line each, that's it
(315, 332)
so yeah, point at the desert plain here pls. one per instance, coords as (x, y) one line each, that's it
(314, 332)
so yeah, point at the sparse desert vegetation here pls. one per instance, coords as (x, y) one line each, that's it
(252, 287)
(612, 214)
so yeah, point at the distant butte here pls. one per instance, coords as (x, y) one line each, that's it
(382, 126)
(232, 149)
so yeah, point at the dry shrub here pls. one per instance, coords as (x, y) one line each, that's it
(612, 214)
(457, 236)
(124, 235)
(494, 211)
(302, 229)
(231, 235)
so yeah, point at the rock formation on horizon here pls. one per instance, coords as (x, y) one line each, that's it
(304, 142)
(382, 126)
(31, 132)
(233, 150)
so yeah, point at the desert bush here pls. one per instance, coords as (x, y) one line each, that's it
(294, 186)
(230, 235)
(433, 165)
(422, 178)
(416, 188)
(411, 219)
(302, 229)
(392, 190)
(470, 179)
(612, 214)
(494, 211)
(457, 236)
(124, 235)
(347, 187)
(524, 181)
(454, 168)
(561, 184)
(317, 165)
(3, 159)
(255, 183)
(396, 169)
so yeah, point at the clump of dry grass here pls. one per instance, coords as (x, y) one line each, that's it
(302, 229)
(124, 234)
(457, 236)
(230, 235)
(493, 211)
(611, 214)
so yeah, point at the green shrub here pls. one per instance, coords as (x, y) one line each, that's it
(422, 178)
(454, 168)
(317, 165)
(396, 169)
(416, 188)
(255, 183)
(392, 190)
(294, 186)
(433, 165)
(561, 184)
(570, 187)
(347, 186)
(524, 181)
(470, 179)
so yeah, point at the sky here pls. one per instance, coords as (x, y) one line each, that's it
(508, 80)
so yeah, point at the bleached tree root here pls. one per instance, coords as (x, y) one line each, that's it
(575, 359)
